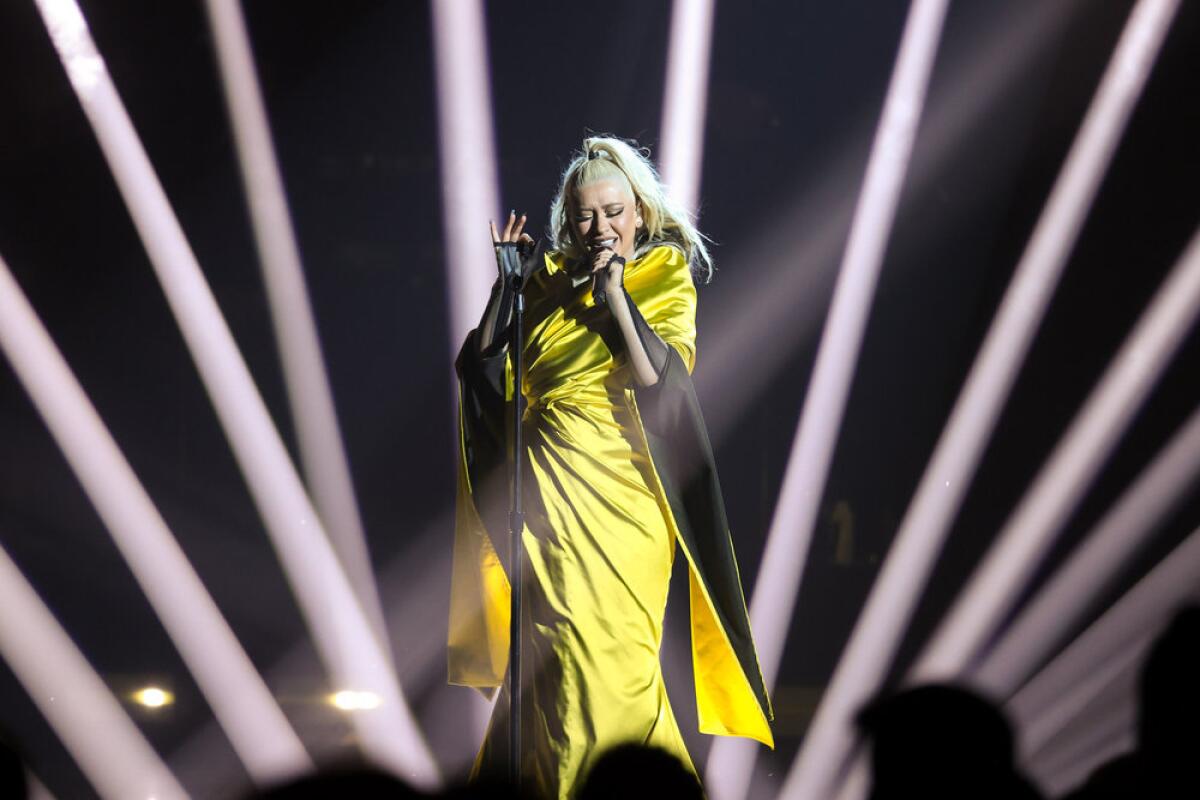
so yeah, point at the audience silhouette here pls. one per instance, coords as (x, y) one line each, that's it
(12, 772)
(363, 782)
(933, 742)
(1164, 765)
(938, 742)
(355, 781)
(637, 772)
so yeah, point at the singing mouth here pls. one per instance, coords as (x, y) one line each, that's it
(600, 243)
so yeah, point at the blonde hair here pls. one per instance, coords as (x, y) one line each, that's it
(664, 222)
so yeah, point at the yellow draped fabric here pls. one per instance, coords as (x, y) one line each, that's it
(599, 538)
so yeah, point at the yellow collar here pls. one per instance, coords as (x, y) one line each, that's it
(556, 261)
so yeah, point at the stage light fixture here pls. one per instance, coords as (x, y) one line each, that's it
(153, 697)
(351, 700)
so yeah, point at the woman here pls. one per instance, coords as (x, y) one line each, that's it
(618, 468)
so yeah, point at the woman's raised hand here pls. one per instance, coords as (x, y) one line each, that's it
(515, 252)
(513, 230)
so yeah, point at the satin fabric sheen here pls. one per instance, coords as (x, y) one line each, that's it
(599, 544)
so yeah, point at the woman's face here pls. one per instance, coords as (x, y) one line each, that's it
(605, 215)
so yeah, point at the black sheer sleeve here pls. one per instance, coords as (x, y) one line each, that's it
(656, 349)
(513, 260)
(492, 335)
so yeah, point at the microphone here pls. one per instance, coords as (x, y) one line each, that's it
(598, 292)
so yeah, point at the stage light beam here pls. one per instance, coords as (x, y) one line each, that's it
(1108, 548)
(1100, 733)
(1036, 732)
(684, 101)
(239, 698)
(468, 158)
(893, 597)
(109, 749)
(310, 397)
(1032, 528)
(1141, 611)
(343, 635)
(731, 763)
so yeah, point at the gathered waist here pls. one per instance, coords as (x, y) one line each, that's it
(584, 398)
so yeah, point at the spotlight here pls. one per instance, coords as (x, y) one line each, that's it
(349, 700)
(153, 697)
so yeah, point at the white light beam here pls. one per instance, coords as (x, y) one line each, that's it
(468, 158)
(1099, 734)
(731, 763)
(889, 606)
(1031, 530)
(685, 99)
(1061, 603)
(341, 631)
(311, 399)
(1141, 612)
(109, 749)
(1117, 672)
(240, 700)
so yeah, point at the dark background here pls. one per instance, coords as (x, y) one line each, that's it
(795, 91)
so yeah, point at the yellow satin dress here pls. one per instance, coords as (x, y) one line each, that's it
(599, 549)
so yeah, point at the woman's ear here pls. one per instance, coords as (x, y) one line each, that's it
(637, 220)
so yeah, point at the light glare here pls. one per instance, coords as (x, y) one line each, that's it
(153, 697)
(350, 700)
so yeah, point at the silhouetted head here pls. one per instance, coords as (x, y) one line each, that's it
(633, 772)
(357, 781)
(12, 772)
(484, 789)
(1170, 689)
(940, 742)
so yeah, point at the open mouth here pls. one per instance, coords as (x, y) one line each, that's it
(598, 244)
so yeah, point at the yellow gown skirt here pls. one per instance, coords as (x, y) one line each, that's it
(598, 548)
(598, 565)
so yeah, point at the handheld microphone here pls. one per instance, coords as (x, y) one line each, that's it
(598, 292)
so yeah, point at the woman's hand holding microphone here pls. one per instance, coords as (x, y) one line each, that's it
(608, 273)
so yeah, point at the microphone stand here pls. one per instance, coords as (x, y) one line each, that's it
(516, 523)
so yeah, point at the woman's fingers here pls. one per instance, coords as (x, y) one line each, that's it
(513, 229)
(525, 237)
